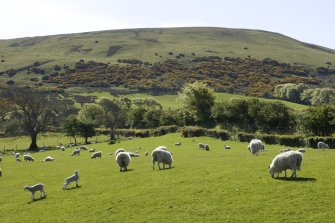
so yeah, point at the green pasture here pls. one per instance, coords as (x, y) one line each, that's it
(203, 186)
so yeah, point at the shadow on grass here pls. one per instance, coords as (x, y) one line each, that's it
(38, 199)
(72, 188)
(167, 168)
(299, 179)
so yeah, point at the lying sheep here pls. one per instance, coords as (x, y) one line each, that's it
(227, 147)
(133, 154)
(302, 150)
(96, 154)
(322, 145)
(161, 156)
(123, 160)
(91, 150)
(48, 159)
(18, 160)
(255, 146)
(119, 150)
(17, 155)
(76, 152)
(28, 158)
(287, 160)
(83, 148)
(204, 146)
(63, 148)
(73, 178)
(36, 187)
(285, 150)
(177, 144)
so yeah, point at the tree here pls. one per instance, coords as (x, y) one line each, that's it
(198, 99)
(91, 114)
(33, 110)
(71, 127)
(151, 118)
(86, 130)
(290, 92)
(319, 96)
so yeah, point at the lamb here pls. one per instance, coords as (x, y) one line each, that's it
(204, 146)
(76, 152)
(28, 158)
(83, 148)
(255, 146)
(96, 154)
(119, 150)
(287, 160)
(161, 156)
(48, 159)
(302, 150)
(177, 144)
(322, 145)
(73, 178)
(17, 155)
(91, 150)
(227, 147)
(36, 187)
(123, 160)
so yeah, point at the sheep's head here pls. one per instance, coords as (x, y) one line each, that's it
(26, 187)
(272, 172)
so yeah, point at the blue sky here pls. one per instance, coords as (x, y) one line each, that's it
(310, 21)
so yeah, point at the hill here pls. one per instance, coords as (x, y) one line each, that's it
(26, 60)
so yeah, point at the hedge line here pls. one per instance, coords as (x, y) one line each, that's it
(191, 131)
(143, 133)
(285, 140)
(313, 141)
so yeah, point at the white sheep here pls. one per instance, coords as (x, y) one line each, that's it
(119, 150)
(287, 160)
(96, 154)
(58, 147)
(301, 150)
(28, 158)
(322, 145)
(83, 147)
(17, 155)
(36, 187)
(162, 148)
(227, 147)
(204, 146)
(91, 150)
(177, 144)
(76, 152)
(161, 156)
(285, 150)
(133, 154)
(123, 160)
(73, 178)
(48, 159)
(255, 146)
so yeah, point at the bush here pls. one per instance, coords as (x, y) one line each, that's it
(269, 139)
(291, 140)
(218, 133)
(313, 142)
(191, 131)
(245, 137)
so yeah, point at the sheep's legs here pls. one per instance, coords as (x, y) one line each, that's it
(77, 183)
(159, 166)
(294, 174)
(33, 195)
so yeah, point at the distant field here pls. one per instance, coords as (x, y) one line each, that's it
(215, 186)
(169, 101)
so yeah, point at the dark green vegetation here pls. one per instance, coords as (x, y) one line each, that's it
(215, 186)
(163, 60)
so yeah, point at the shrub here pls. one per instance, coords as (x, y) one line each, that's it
(191, 131)
(245, 137)
(269, 139)
(291, 140)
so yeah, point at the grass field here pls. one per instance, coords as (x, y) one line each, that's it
(215, 186)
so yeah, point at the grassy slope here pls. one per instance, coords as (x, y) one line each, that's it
(215, 186)
(144, 43)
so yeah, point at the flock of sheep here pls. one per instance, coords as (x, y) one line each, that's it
(287, 159)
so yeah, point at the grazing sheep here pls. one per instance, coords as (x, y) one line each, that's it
(287, 160)
(177, 144)
(91, 150)
(36, 187)
(161, 156)
(285, 150)
(119, 150)
(133, 154)
(48, 159)
(17, 155)
(227, 147)
(28, 158)
(73, 178)
(83, 148)
(18, 160)
(123, 160)
(0, 172)
(255, 146)
(76, 152)
(63, 148)
(96, 154)
(146, 153)
(322, 145)
(302, 150)
(204, 146)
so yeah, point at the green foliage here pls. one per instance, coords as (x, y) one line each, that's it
(245, 137)
(319, 96)
(191, 131)
(91, 114)
(291, 140)
(290, 92)
(86, 130)
(313, 141)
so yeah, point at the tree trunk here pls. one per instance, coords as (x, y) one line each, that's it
(33, 145)
(111, 136)
(86, 142)
(75, 140)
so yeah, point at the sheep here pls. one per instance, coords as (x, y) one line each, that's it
(227, 147)
(83, 148)
(48, 159)
(146, 153)
(161, 148)
(287, 160)
(119, 150)
(133, 154)
(17, 155)
(73, 178)
(91, 150)
(301, 150)
(36, 187)
(161, 156)
(123, 160)
(177, 144)
(28, 158)
(58, 147)
(76, 152)
(322, 145)
(62, 148)
(204, 146)
(18, 160)
(255, 146)
(96, 154)
(285, 150)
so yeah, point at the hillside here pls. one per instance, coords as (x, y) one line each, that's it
(25, 59)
